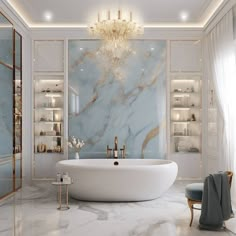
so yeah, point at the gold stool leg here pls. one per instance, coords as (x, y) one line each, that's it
(59, 197)
(190, 204)
(67, 204)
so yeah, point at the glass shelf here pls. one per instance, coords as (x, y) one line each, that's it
(51, 136)
(187, 152)
(186, 122)
(49, 108)
(185, 136)
(49, 93)
(185, 93)
(47, 122)
(190, 107)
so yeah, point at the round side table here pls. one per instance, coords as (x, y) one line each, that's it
(59, 193)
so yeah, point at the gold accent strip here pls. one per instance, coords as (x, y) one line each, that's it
(154, 132)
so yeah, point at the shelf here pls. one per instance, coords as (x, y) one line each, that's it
(50, 136)
(185, 93)
(186, 73)
(185, 136)
(50, 94)
(49, 108)
(186, 80)
(40, 153)
(185, 108)
(187, 152)
(186, 122)
(48, 122)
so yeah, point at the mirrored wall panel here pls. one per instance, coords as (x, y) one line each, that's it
(10, 108)
(6, 106)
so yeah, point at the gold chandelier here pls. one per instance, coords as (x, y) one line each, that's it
(115, 28)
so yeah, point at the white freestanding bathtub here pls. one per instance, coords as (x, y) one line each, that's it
(118, 179)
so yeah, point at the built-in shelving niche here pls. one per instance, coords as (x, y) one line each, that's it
(48, 119)
(185, 107)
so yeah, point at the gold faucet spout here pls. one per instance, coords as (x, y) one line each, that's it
(116, 143)
(115, 150)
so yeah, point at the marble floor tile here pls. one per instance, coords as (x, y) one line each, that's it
(32, 211)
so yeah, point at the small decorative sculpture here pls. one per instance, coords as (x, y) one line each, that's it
(193, 118)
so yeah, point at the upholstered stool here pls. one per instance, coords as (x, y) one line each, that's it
(193, 193)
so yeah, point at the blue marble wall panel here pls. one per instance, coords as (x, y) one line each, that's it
(6, 48)
(6, 111)
(6, 178)
(102, 106)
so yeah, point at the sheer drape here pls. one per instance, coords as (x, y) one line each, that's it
(220, 50)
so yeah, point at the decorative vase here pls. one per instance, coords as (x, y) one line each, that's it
(76, 155)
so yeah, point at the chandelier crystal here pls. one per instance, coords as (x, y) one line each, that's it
(115, 28)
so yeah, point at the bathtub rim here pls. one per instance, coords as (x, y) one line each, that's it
(164, 164)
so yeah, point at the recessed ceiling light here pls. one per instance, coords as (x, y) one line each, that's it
(47, 15)
(80, 49)
(152, 49)
(81, 69)
(184, 16)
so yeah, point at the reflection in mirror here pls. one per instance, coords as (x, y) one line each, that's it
(17, 50)
(17, 141)
(6, 37)
(73, 101)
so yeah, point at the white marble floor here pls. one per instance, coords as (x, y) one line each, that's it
(32, 211)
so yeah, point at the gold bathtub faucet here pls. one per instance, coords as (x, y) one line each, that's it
(115, 150)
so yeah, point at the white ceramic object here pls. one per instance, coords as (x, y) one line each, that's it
(118, 179)
(77, 155)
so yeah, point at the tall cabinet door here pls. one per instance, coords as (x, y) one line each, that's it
(6, 107)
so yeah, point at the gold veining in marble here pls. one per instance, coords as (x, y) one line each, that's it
(153, 133)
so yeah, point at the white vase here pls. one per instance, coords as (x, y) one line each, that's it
(76, 155)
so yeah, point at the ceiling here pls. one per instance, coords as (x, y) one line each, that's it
(154, 13)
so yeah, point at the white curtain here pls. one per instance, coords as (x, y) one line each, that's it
(220, 50)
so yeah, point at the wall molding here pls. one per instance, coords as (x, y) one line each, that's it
(219, 15)
(14, 17)
(149, 33)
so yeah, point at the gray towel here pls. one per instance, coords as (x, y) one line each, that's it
(216, 202)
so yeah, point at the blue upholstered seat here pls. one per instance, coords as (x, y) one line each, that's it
(194, 191)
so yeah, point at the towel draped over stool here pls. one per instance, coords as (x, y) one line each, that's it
(216, 202)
